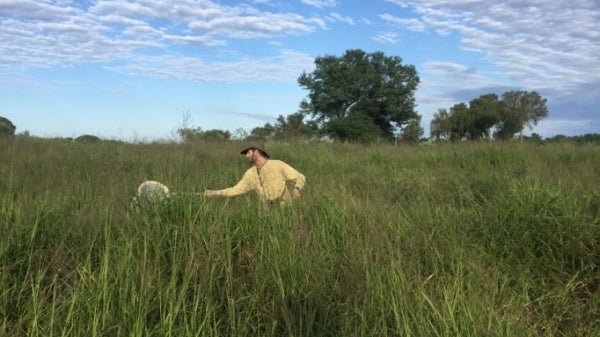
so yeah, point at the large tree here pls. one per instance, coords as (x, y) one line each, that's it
(440, 127)
(457, 124)
(519, 109)
(460, 122)
(484, 112)
(7, 127)
(360, 93)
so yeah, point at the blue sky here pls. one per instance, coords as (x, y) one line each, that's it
(132, 69)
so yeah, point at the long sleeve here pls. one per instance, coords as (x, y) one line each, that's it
(248, 183)
(293, 176)
(273, 182)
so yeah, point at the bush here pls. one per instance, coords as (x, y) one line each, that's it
(7, 128)
(88, 139)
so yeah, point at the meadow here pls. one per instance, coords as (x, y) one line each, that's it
(470, 239)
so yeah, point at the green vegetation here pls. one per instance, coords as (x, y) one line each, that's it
(471, 239)
(487, 113)
(360, 96)
(88, 139)
(7, 128)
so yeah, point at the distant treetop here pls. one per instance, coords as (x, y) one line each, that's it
(7, 127)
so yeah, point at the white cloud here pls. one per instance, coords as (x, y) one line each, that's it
(386, 37)
(320, 3)
(284, 67)
(337, 17)
(410, 24)
(33, 10)
(537, 42)
(449, 72)
(266, 25)
(44, 34)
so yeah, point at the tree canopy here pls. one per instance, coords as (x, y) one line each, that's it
(505, 116)
(190, 135)
(289, 127)
(88, 139)
(7, 127)
(520, 109)
(360, 96)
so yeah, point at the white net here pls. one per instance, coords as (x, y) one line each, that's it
(151, 189)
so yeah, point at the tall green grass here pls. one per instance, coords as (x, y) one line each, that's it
(473, 239)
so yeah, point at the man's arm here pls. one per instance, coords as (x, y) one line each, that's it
(245, 185)
(292, 175)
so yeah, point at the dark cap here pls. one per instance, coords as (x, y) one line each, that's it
(256, 146)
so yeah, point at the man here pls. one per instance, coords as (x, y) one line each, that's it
(273, 180)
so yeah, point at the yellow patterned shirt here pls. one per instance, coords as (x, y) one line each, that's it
(274, 181)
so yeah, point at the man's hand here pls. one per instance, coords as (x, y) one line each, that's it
(209, 193)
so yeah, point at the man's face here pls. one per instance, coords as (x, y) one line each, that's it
(251, 155)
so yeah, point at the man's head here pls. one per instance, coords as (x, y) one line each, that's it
(253, 150)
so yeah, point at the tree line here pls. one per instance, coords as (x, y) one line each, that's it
(358, 97)
(370, 97)
(286, 128)
(490, 116)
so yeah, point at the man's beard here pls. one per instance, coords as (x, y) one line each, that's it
(252, 159)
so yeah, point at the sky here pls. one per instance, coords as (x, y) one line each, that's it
(137, 70)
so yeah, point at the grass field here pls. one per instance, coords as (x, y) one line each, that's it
(473, 239)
